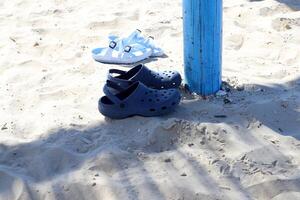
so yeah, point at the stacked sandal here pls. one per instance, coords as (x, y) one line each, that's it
(131, 49)
(139, 91)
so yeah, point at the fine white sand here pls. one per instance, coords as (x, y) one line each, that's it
(54, 144)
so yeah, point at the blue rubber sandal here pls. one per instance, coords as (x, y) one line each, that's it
(137, 99)
(137, 37)
(156, 80)
(118, 53)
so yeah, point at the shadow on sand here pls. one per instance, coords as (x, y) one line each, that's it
(293, 4)
(118, 151)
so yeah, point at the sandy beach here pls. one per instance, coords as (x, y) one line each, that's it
(54, 143)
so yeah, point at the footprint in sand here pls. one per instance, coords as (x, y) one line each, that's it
(289, 55)
(120, 18)
(265, 161)
(271, 189)
(274, 10)
(40, 31)
(111, 163)
(104, 24)
(39, 161)
(175, 132)
(284, 24)
(287, 195)
(234, 41)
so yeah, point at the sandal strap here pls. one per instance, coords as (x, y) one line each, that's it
(116, 71)
(110, 95)
(117, 81)
(114, 86)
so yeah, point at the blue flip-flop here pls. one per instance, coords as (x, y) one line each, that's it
(137, 99)
(152, 79)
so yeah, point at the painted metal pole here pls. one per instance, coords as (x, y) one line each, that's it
(202, 24)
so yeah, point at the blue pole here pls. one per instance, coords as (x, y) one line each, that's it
(202, 27)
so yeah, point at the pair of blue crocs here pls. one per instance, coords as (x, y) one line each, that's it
(139, 91)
